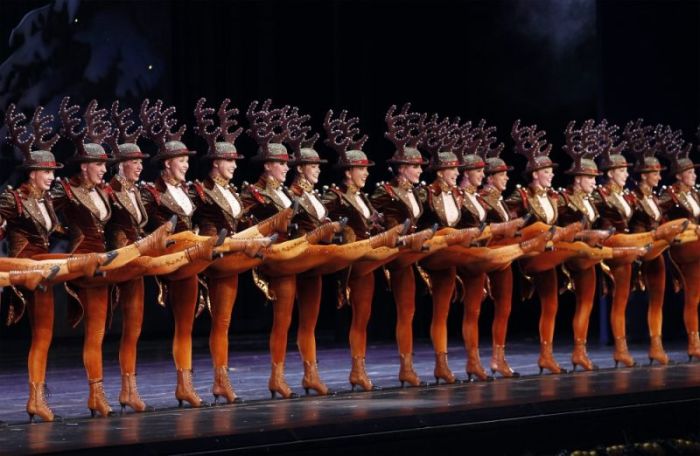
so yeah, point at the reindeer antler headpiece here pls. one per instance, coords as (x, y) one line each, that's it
(342, 135)
(220, 140)
(299, 140)
(123, 138)
(440, 139)
(158, 126)
(582, 146)
(531, 143)
(610, 147)
(487, 146)
(405, 130)
(671, 145)
(268, 127)
(87, 140)
(641, 140)
(41, 157)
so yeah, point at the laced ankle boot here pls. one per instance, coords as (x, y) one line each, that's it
(622, 353)
(97, 401)
(312, 381)
(36, 404)
(30, 279)
(129, 395)
(406, 372)
(442, 370)
(693, 345)
(184, 391)
(499, 363)
(222, 386)
(156, 242)
(278, 385)
(358, 375)
(547, 360)
(657, 352)
(474, 368)
(579, 357)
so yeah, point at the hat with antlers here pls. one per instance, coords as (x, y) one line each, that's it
(488, 148)
(582, 146)
(641, 140)
(610, 147)
(405, 130)
(220, 140)
(671, 145)
(342, 136)
(158, 125)
(40, 158)
(96, 129)
(299, 140)
(123, 139)
(443, 141)
(268, 127)
(530, 143)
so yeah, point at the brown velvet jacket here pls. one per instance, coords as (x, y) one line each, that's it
(571, 208)
(306, 218)
(85, 228)
(161, 206)
(470, 214)
(674, 202)
(522, 201)
(434, 212)
(496, 209)
(643, 217)
(340, 203)
(213, 210)
(123, 227)
(25, 230)
(612, 214)
(392, 201)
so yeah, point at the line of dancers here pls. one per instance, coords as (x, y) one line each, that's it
(458, 233)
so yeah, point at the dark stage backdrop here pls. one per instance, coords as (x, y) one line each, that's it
(543, 61)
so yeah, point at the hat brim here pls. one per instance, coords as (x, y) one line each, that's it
(369, 164)
(498, 170)
(319, 161)
(41, 168)
(225, 157)
(538, 168)
(650, 170)
(407, 162)
(162, 157)
(124, 158)
(90, 160)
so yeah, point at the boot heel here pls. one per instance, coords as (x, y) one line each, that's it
(306, 390)
(179, 403)
(651, 361)
(402, 382)
(616, 363)
(92, 413)
(272, 394)
(352, 386)
(437, 380)
(123, 407)
(31, 417)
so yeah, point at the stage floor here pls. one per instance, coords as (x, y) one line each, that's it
(347, 419)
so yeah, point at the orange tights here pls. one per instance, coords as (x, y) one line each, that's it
(361, 293)
(691, 295)
(309, 302)
(403, 286)
(95, 302)
(584, 281)
(547, 290)
(621, 293)
(41, 315)
(284, 288)
(222, 293)
(443, 285)
(131, 302)
(502, 292)
(183, 299)
(473, 295)
(655, 277)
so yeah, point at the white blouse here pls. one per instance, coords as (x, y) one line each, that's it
(451, 211)
(361, 203)
(477, 205)
(99, 203)
(546, 204)
(45, 215)
(320, 209)
(180, 198)
(232, 201)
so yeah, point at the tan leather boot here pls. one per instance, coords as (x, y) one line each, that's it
(278, 385)
(693, 345)
(657, 352)
(474, 367)
(129, 395)
(579, 357)
(97, 401)
(622, 353)
(184, 391)
(406, 372)
(222, 386)
(358, 375)
(547, 360)
(499, 363)
(313, 381)
(442, 370)
(36, 404)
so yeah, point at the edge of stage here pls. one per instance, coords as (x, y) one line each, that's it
(542, 414)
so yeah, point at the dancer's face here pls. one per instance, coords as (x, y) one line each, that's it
(687, 177)
(93, 172)
(277, 170)
(42, 178)
(357, 175)
(311, 172)
(411, 173)
(651, 179)
(449, 175)
(474, 177)
(224, 168)
(543, 177)
(131, 169)
(499, 180)
(586, 184)
(619, 176)
(177, 167)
